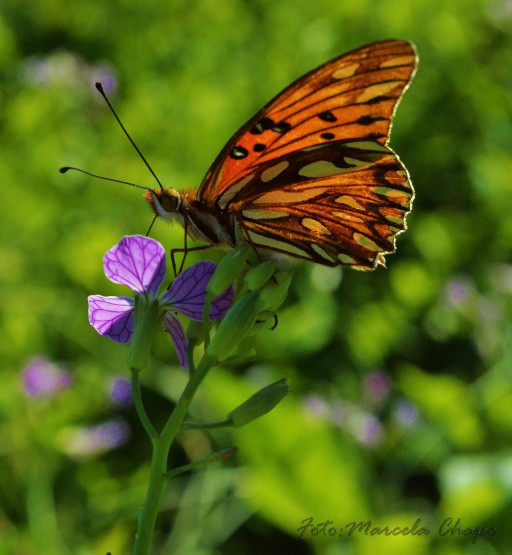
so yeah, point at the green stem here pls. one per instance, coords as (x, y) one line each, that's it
(139, 406)
(161, 446)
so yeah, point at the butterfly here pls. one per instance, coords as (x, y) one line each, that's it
(311, 175)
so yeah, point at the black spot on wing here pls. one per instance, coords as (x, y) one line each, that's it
(261, 126)
(238, 153)
(369, 119)
(377, 99)
(282, 127)
(328, 116)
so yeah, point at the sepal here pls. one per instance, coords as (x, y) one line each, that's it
(258, 276)
(146, 319)
(235, 325)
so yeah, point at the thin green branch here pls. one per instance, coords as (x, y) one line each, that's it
(139, 406)
(208, 426)
(214, 457)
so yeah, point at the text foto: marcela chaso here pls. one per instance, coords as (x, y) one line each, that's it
(449, 527)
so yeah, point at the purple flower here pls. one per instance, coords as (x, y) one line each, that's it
(377, 387)
(458, 291)
(42, 378)
(139, 263)
(97, 439)
(106, 76)
(405, 413)
(370, 431)
(121, 392)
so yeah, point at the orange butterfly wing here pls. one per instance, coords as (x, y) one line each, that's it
(311, 174)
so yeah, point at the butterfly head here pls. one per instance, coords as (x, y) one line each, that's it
(166, 203)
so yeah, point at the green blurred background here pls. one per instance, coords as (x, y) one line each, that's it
(401, 405)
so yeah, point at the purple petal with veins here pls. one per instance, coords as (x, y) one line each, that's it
(112, 316)
(138, 262)
(177, 333)
(222, 303)
(187, 293)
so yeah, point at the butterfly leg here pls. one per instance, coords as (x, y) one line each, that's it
(247, 236)
(185, 251)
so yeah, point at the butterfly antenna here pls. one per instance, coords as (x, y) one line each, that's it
(151, 225)
(99, 86)
(68, 168)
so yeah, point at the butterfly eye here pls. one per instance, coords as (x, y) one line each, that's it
(164, 202)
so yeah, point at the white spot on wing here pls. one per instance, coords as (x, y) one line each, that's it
(228, 195)
(345, 71)
(379, 89)
(272, 172)
(262, 214)
(315, 225)
(287, 197)
(263, 241)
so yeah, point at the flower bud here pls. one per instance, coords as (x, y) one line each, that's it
(274, 294)
(226, 272)
(235, 325)
(259, 404)
(259, 275)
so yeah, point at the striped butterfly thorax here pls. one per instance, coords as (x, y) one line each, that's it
(312, 175)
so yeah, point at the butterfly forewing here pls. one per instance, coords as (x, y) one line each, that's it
(341, 203)
(311, 174)
(353, 96)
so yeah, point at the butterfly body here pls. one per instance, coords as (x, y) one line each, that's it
(202, 222)
(312, 175)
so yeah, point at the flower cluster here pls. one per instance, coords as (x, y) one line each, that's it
(139, 263)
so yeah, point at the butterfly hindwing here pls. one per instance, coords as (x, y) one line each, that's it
(338, 203)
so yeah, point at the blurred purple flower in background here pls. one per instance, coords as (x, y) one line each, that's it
(369, 431)
(317, 406)
(365, 426)
(121, 392)
(42, 378)
(376, 387)
(106, 76)
(139, 263)
(405, 413)
(97, 439)
(63, 67)
(458, 291)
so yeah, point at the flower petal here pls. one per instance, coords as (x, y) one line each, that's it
(112, 316)
(222, 303)
(138, 262)
(177, 333)
(187, 293)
